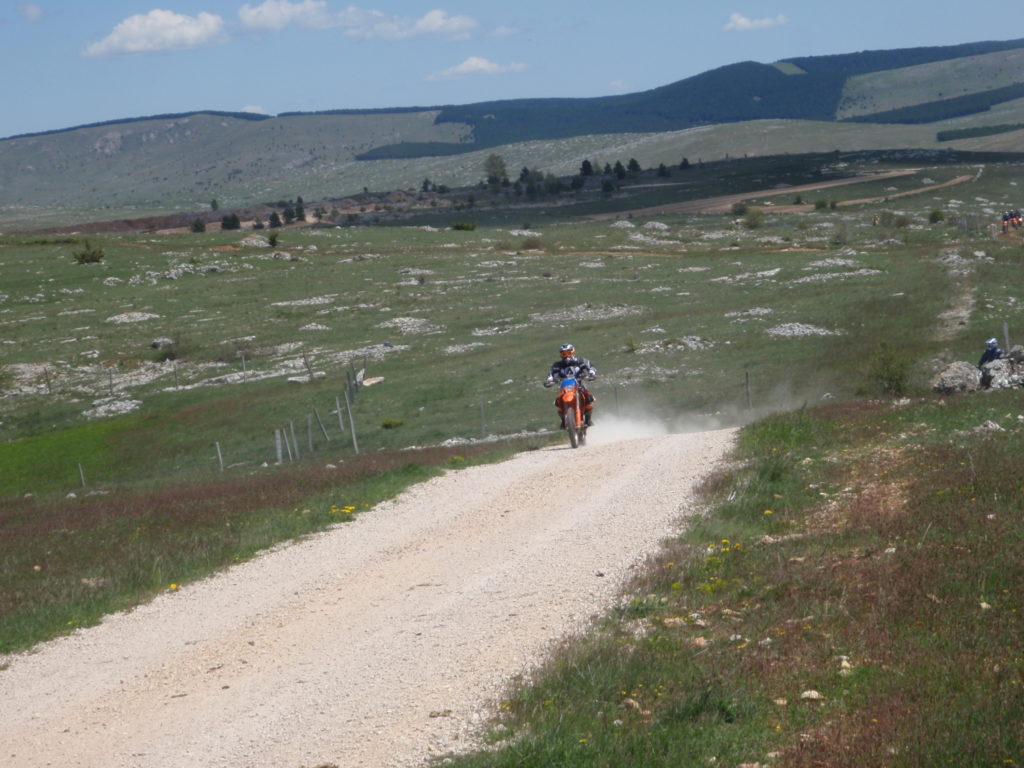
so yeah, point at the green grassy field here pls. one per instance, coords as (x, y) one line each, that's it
(678, 314)
(692, 320)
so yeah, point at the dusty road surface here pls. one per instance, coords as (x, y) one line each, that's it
(378, 643)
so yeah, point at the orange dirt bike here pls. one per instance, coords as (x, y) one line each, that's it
(570, 396)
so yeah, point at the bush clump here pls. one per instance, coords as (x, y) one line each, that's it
(889, 371)
(89, 254)
(464, 226)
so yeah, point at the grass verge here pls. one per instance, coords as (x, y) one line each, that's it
(849, 598)
(67, 562)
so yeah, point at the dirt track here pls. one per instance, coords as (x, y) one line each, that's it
(724, 203)
(375, 644)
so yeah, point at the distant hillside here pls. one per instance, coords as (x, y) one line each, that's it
(869, 100)
(810, 88)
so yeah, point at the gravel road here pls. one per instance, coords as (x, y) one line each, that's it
(378, 643)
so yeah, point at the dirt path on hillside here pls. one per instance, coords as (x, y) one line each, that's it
(724, 203)
(375, 644)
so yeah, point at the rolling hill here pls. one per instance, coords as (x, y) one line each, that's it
(896, 99)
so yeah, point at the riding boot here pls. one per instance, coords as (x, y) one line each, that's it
(587, 420)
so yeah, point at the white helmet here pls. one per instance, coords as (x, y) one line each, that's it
(992, 342)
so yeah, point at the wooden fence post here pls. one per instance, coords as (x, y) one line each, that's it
(220, 457)
(295, 442)
(351, 422)
(321, 423)
(341, 419)
(279, 449)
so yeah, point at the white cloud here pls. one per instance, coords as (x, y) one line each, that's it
(475, 65)
(504, 31)
(277, 14)
(254, 110)
(617, 85)
(158, 31)
(740, 23)
(436, 22)
(31, 12)
(356, 21)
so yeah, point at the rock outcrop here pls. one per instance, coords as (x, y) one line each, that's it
(957, 377)
(1005, 373)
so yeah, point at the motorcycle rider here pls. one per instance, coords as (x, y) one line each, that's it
(992, 352)
(569, 366)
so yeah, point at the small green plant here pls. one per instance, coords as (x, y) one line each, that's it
(739, 208)
(841, 234)
(754, 218)
(936, 216)
(464, 226)
(89, 254)
(531, 244)
(198, 225)
(390, 423)
(272, 239)
(821, 205)
(888, 370)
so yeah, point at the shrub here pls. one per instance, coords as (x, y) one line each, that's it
(272, 239)
(531, 244)
(821, 205)
(936, 216)
(464, 226)
(739, 208)
(888, 370)
(89, 254)
(902, 221)
(198, 225)
(754, 218)
(391, 423)
(841, 234)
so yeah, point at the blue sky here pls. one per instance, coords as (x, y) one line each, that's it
(71, 62)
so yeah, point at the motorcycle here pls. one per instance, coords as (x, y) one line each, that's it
(571, 397)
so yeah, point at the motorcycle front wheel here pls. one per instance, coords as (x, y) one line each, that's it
(571, 428)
